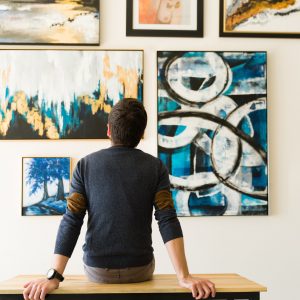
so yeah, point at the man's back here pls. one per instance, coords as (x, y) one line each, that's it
(118, 186)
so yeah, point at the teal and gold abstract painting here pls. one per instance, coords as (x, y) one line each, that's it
(46, 184)
(65, 22)
(212, 131)
(62, 94)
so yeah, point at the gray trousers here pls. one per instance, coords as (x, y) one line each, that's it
(125, 275)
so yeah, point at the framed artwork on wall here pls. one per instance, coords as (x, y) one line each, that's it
(45, 185)
(62, 94)
(212, 131)
(166, 18)
(50, 22)
(256, 18)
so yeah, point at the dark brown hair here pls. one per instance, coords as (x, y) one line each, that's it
(127, 122)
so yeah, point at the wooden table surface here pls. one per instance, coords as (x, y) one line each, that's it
(74, 284)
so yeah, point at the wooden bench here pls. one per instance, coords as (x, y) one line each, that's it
(162, 287)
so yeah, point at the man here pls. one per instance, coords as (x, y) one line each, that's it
(119, 187)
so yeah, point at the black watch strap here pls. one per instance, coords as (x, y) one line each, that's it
(52, 273)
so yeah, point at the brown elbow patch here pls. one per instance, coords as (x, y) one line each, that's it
(163, 200)
(76, 203)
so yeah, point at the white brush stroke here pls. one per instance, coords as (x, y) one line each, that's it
(213, 65)
(58, 76)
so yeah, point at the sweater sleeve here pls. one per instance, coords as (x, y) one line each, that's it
(72, 220)
(165, 213)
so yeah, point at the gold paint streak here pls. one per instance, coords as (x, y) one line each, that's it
(21, 103)
(103, 89)
(51, 130)
(67, 35)
(5, 75)
(252, 9)
(97, 104)
(4, 124)
(32, 116)
(68, 9)
(35, 119)
(106, 68)
(107, 108)
(129, 80)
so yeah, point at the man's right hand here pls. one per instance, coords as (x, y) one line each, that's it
(39, 288)
(201, 288)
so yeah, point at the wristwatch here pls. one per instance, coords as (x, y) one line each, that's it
(52, 273)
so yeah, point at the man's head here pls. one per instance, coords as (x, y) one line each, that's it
(127, 122)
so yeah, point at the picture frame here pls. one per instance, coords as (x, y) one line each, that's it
(191, 18)
(32, 109)
(46, 183)
(199, 95)
(264, 24)
(42, 23)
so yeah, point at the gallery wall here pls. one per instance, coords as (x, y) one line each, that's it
(265, 249)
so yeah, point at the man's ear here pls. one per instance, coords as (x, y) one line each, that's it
(108, 131)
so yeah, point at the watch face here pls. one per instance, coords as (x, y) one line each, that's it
(50, 273)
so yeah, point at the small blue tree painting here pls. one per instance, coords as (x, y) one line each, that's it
(46, 183)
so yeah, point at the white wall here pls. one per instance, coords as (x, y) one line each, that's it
(266, 249)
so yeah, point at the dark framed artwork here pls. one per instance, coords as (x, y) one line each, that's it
(166, 18)
(212, 131)
(50, 22)
(65, 94)
(256, 18)
(45, 185)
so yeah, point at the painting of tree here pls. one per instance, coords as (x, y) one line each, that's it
(45, 185)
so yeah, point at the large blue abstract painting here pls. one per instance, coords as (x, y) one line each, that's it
(46, 183)
(62, 94)
(212, 131)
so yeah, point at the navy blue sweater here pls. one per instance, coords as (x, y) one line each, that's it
(118, 188)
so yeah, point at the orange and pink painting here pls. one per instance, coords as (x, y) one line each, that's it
(163, 12)
(181, 18)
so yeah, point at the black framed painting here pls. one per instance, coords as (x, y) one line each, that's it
(65, 94)
(212, 131)
(50, 22)
(256, 18)
(165, 18)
